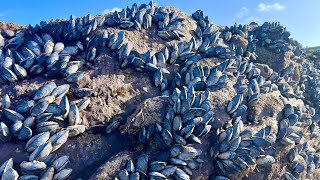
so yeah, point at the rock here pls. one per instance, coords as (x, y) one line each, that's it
(239, 41)
(112, 166)
(130, 98)
(118, 91)
(275, 61)
(150, 111)
(11, 26)
(266, 71)
(211, 62)
(268, 105)
(278, 61)
(220, 100)
(297, 72)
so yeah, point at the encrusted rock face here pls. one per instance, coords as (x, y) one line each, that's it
(153, 92)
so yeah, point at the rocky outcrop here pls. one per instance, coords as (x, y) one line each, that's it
(129, 96)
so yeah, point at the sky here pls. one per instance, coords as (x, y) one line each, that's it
(301, 17)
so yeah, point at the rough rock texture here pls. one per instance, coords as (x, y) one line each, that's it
(278, 62)
(153, 110)
(266, 71)
(11, 26)
(268, 105)
(239, 41)
(118, 91)
(108, 169)
(275, 61)
(297, 72)
(220, 100)
(211, 62)
(271, 105)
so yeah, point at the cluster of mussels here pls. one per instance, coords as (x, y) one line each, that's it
(244, 32)
(25, 53)
(181, 124)
(175, 163)
(289, 128)
(169, 23)
(44, 117)
(249, 85)
(50, 49)
(188, 114)
(51, 168)
(275, 37)
(186, 121)
(34, 55)
(300, 158)
(290, 88)
(310, 84)
(236, 149)
(304, 155)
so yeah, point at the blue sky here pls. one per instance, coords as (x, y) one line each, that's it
(301, 17)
